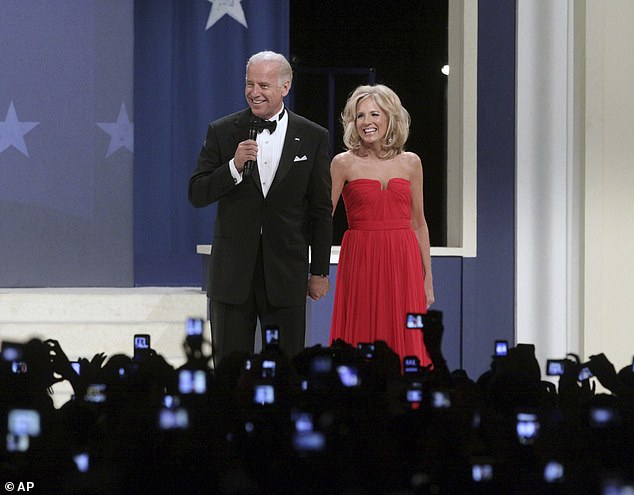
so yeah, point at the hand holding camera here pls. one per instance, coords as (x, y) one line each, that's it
(59, 361)
(573, 389)
(605, 372)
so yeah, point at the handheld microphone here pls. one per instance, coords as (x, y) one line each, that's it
(250, 164)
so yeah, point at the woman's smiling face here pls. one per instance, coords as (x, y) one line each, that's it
(371, 122)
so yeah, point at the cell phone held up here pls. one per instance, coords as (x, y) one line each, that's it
(501, 348)
(585, 373)
(194, 327)
(194, 334)
(13, 354)
(272, 337)
(142, 347)
(415, 321)
(411, 365)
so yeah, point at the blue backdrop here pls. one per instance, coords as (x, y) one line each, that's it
(189, 69)
(66, 143)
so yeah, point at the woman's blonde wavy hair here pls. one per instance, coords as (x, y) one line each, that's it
(398, 119)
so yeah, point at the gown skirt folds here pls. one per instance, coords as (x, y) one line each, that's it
(380, 273)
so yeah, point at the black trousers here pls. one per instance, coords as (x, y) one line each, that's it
(233, 326)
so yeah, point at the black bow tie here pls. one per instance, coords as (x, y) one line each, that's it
(261, 124)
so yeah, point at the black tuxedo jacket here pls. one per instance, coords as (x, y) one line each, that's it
(296, 213)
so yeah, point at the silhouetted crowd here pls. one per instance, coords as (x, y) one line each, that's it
(330, 420)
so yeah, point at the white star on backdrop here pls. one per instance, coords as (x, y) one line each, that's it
(232, 8)
(12, 131)
(121, 132)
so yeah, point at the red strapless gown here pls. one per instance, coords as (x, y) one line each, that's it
(380, 273)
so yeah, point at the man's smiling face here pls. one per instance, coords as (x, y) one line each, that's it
(264, 91)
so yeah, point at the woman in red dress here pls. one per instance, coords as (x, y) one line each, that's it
(384, 267)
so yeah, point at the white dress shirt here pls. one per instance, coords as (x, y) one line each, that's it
(269, 153)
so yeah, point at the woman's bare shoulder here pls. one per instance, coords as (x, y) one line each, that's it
(411, 159)
(343, 158)
(343, 161)
(412, 165)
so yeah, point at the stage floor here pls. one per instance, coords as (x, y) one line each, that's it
(88, 321)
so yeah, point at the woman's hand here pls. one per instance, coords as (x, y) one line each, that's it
(429, 291)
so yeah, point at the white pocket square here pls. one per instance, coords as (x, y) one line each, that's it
(300, 158)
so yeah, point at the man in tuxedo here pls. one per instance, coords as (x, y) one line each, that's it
(273, 202)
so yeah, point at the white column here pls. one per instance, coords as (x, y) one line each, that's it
(548, 178)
